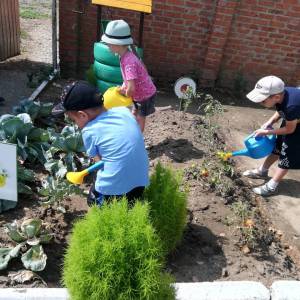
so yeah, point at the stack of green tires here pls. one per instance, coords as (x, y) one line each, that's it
(107, 67)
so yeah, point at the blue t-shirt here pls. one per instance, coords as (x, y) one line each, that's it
(116, 136)
(289, 109)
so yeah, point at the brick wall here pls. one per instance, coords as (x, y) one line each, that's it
(264, 39)
(222, 42)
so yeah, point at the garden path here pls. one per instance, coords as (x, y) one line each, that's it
(283, 208)
(239, 120)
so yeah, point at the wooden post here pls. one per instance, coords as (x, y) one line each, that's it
(141, 30)
(99, 12)
(54, 34)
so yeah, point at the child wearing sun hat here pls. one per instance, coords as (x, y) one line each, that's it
(136, 81)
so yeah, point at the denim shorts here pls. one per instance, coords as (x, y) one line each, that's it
(146, 107)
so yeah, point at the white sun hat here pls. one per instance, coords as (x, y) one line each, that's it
(265, 87)
(117, 32)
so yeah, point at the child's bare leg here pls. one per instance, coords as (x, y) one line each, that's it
(269, 161)
(142, 122)
(262, 171)
(270, 187)
(134, 112)
(279, 174)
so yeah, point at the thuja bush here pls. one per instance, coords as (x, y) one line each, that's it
(168, 203)
(114, 253)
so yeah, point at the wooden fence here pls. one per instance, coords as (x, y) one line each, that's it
(9, 29)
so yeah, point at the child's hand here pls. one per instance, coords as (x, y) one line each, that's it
(121, 90)
(261, 132)
(96, 158)
(267, 125)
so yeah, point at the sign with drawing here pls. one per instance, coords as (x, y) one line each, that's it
(8, 172)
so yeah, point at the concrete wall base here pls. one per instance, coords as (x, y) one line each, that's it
(220, 290)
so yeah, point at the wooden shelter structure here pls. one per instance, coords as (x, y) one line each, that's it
(143, 6)
(9, 29)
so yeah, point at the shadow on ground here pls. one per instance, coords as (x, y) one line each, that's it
(179, 150)
(290, 187)
(18, 80)
(188, 264)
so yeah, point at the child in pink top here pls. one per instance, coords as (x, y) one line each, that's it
(137, 82)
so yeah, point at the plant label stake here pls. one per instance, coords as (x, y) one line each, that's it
(181, 87)
(8, 173)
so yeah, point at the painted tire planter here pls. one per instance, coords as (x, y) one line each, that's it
(104, 85)
(108, 73)
(103, 55)
(140, 52)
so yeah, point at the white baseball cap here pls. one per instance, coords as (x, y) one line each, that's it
(265, 87)
(117, 32)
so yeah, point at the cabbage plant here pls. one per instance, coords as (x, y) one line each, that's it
(28, 238)
(37, 110)
(31, 141)
(54, 190)
(67, 147)
(25, 176)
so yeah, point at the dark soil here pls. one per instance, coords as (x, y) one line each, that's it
(214, 246)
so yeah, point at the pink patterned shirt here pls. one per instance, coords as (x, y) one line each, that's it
(133, 69)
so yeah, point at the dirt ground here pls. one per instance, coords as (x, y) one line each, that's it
(211, 248)
(19, 76)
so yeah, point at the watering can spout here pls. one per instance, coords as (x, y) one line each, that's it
(77, 177)
(243, 152)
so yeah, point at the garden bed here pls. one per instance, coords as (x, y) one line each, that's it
(226, 238)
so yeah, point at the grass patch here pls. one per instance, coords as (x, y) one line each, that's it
(33, 13)
(24, 34)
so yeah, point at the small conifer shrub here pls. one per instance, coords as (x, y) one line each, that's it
(168, 204)
(115, 254)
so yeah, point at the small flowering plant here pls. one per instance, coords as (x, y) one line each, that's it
(3, 176)
(224, 155)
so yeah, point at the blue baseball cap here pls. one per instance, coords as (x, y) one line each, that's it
(78, 95)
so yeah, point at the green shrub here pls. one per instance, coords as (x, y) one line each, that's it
(114, 253)
(167, 205)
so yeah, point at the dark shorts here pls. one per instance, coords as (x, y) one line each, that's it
(95, 197)
(288, 149)
(145, 108)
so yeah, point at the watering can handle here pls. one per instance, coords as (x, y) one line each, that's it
(252, 134)
(98, 165)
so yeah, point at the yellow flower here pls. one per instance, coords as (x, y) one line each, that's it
(224, 155)
(2, 180)
(204, 172)
(249, 223)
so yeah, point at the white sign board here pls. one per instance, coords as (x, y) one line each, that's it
(8, 172)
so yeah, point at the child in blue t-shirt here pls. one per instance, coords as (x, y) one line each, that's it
(271, 92)
(111, 135)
